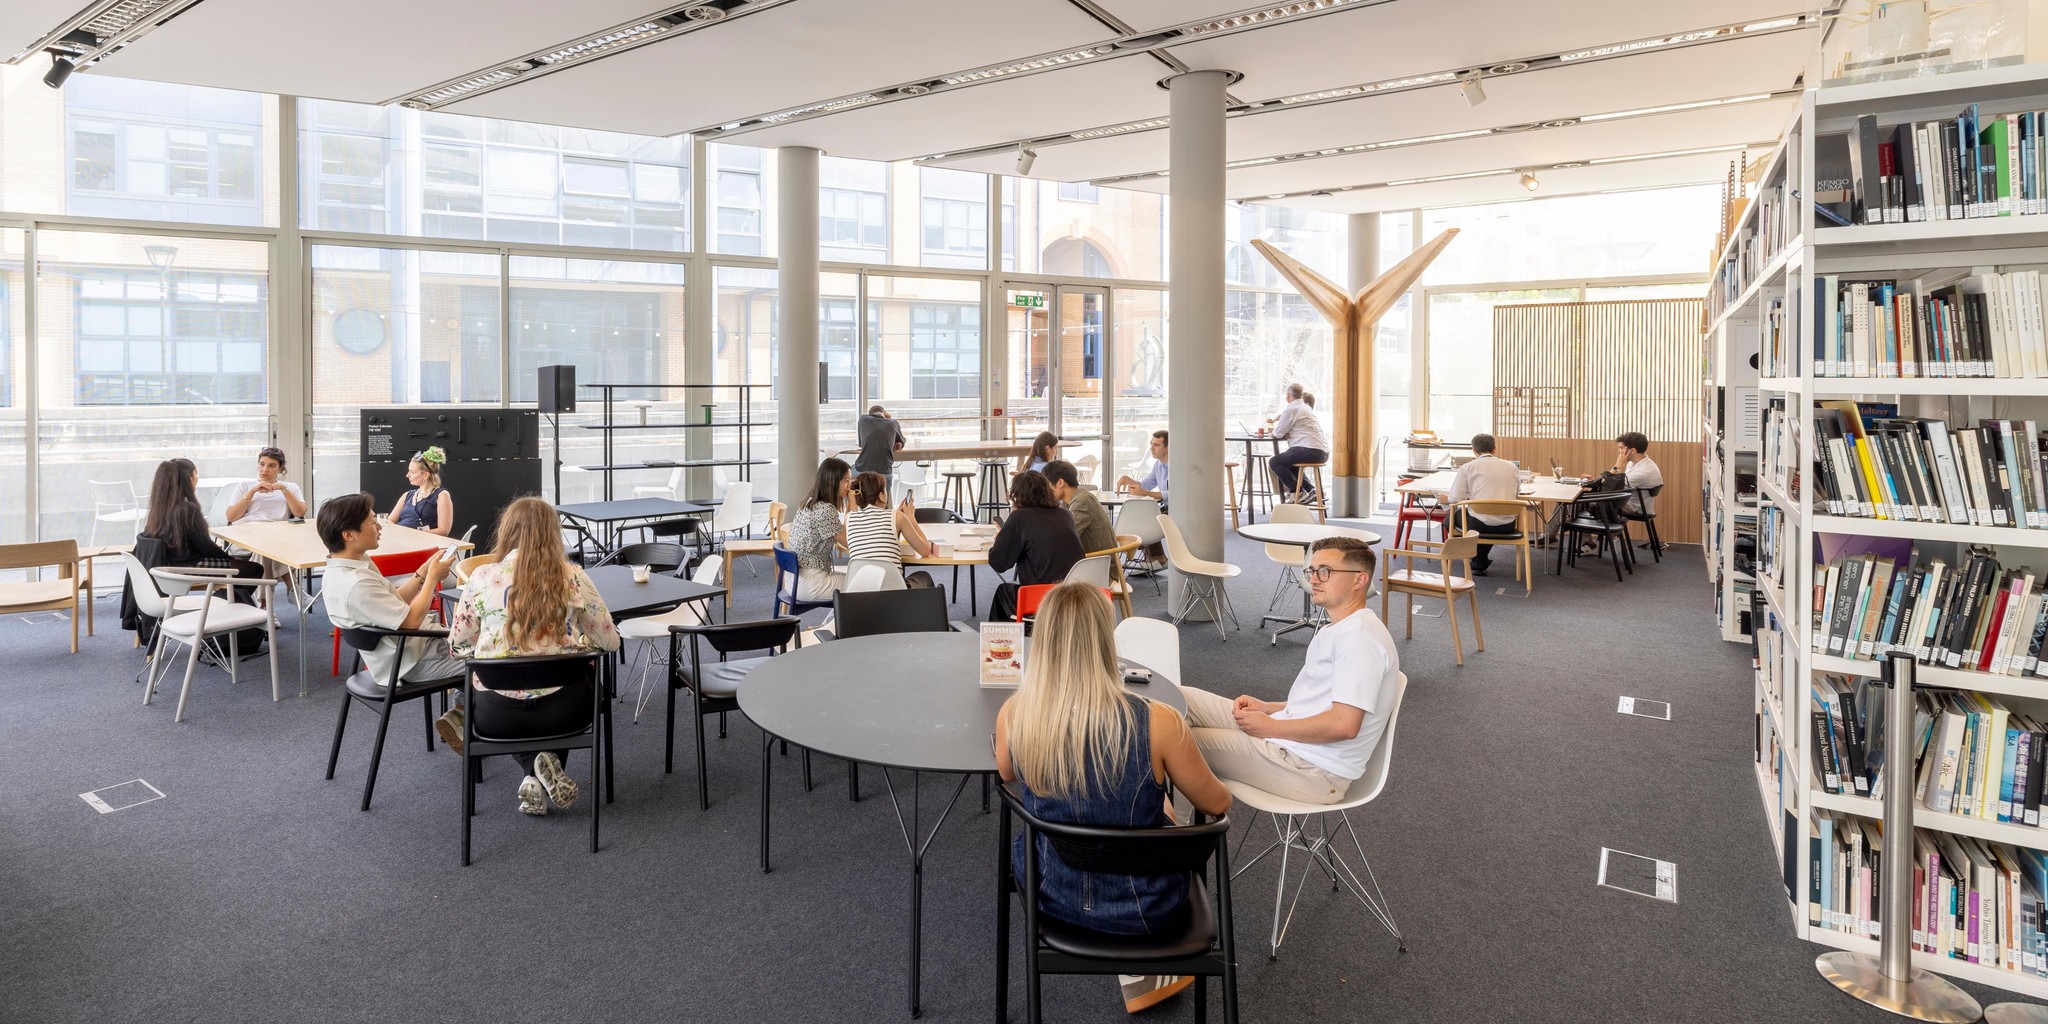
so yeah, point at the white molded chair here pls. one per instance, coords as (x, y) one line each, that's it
(653, 629)
(1153, 643)
(1139, 517)
(868, 574)
(1291, 559)
(1092, 570)
(1205, 578)
(115, 501)
(192, 619)
(1291, 828)
(668, 490)
(735, 514)
(913, 477)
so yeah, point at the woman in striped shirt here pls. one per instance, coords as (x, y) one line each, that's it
(873, 528)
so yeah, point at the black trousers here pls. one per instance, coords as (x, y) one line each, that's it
(1283, 465)
(1462, 521)
(510, 718)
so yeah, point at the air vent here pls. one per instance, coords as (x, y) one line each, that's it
(919, 89)
(704, 12)
(1513, 67)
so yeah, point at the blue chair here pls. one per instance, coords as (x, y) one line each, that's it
(786, 572)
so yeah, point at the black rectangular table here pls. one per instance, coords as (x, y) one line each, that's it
(610, 514)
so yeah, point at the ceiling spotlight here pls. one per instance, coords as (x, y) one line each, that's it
(1475, 94)
(1026, 156)
(61, 67)
(1529, 181)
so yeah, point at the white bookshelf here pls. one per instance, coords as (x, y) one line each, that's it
(1787, 787)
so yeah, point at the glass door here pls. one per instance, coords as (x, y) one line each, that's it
(1028, 342)
(1059, 359)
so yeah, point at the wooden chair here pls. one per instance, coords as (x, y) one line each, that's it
(739, 548)
(60, 594)
(1230, 492)
(1119, 586)
(1525, 527)
(1440, 584)
(469, 565)
(1302, 485)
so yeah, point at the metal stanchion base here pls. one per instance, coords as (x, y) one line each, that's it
(1925, 996)
(2016, 1013)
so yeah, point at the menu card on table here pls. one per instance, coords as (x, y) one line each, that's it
(1002, 654)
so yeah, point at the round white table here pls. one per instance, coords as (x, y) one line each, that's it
(1300, 535)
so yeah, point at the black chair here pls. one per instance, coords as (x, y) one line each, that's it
(715, 688)
(889, 611)
(534, 673)
(1203, 945)
(658, 556)
(1595, 516)
(1645, 513)
(360, 686)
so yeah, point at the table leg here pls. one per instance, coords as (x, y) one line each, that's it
(1251, 513)
(917, 842)
(767, 759)
(611, 695)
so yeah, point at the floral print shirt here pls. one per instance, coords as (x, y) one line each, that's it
(478, 629)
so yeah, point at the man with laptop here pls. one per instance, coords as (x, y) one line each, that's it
(1485, 478)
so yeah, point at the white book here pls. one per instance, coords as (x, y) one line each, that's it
(1829, 583)
(1936, 183)
(1923, 609)
(2038, 517)
(1954, 497)
(1859, 330)
(1829, 295)
(2031, 324)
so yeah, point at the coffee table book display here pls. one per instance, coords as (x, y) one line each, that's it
(1784, 276)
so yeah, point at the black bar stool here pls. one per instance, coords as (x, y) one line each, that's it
(958, 494)
(995, 498)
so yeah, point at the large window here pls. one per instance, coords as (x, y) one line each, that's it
(1626, 234)
(853, 210)
(924, 354)
(161, 337)
(954, 216)
(945, 351)
(1098, 232)
(150, 151)
(739, 197)
(13, 422)
(1393, 344)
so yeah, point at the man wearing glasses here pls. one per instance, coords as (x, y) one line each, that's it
(1312, 745)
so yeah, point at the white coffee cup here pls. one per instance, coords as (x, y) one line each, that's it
(640, 573)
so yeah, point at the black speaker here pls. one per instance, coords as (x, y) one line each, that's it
(558, 388)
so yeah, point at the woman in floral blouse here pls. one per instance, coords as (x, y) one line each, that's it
(532, 602)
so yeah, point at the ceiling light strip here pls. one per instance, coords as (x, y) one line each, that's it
(1502, 171)
(54, 37)
(140, 16)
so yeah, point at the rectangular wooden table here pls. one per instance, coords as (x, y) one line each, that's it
(949, 538)
(1543, 489)
(298, 548)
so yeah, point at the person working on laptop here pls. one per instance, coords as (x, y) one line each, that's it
(1297, 425)
(1485, 478)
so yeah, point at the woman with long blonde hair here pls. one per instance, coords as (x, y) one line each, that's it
(532, 602)
(1090, 753)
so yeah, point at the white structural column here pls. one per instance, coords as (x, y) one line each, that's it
(1353, 495)
(796, 337)
(1194, 378)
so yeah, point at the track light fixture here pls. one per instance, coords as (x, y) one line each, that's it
(1026, 156)
(1475, 94)
(1529, 181)
(61, 67)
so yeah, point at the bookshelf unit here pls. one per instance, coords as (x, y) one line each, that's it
(1764, 301)
(743, 427)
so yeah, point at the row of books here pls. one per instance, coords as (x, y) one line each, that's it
(1973, 900)
(1754, 249)
(1972, 165)
(1976, 616)
(1970, 754)
(1944, 325)
(1871, 463)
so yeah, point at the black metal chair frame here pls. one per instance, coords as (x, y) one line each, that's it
(1596, 515)
(1174, 849)
(1645, 500)
(661, 556)
(726, 638)
(534, 673)
(365, 638)
(937, 514)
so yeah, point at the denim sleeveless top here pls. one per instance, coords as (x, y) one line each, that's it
(1117, 904)
(423, 514)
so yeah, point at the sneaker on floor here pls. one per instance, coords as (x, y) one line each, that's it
(532, 798)
(449, 726)
(1142, 991)
(561, 788)
(1480, 570)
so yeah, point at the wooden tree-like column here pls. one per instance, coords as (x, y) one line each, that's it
(1352, 318)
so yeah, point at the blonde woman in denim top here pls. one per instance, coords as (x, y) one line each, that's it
(1089, 753)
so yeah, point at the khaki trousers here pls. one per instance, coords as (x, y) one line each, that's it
(1233, 755)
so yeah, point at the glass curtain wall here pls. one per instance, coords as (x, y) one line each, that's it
(13, 379)
(148, 346)
(744, 352)
(1393, 343)
(1137, 375)
(924, 348)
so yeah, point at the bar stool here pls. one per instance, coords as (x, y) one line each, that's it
(1301, 483)
(958, 493)
(1230, 492)
(994, 494)
(1257, 483)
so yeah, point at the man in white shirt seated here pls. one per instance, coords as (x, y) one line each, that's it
(1631, 461)
(1297, 425)
(268, 498)
(1485, 478)
(1311, 746)
(358, 596)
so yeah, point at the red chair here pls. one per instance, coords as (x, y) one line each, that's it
(399, 564)
(1414, 511)
(1029, 598)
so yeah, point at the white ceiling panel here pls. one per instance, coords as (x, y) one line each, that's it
(1080, 161)
(1395, 40)
(1692, 129)
(1109, 91)
(785, 57)
(1152, 15)
(24, 21)
(1709, 167)
(366, 51)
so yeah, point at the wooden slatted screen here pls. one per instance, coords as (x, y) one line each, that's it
(1569, 377)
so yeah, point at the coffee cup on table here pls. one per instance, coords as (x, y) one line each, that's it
(640, 573)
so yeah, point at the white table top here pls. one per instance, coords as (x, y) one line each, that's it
(949, 538)
(298, 545)
(1543, 488)
(1302, 535)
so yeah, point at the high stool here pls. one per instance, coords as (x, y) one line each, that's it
(958, 493)
(1258, 476)
(1302, 484)
(1230, 492)
(995, 498)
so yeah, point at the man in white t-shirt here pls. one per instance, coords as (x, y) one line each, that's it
(1485, 478)
(269, 498)
(1312, 745)
(1632, 463)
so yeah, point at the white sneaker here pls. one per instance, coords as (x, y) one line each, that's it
(532, 798)
(560, 787)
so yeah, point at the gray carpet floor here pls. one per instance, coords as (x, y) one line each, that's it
(256, 891)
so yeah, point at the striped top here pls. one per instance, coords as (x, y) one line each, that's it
(871, 533)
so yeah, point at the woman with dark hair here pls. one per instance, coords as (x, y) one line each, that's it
(175, 535)
(269, 498)
(1038, 540)
(874, 530)
(815, 530)
(1044, 448)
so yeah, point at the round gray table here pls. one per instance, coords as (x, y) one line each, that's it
(910, 701)
(1300, 535)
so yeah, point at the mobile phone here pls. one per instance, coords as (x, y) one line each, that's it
(1135, 676)
(447, 554)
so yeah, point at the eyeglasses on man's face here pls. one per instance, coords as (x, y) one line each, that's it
(1322, 573)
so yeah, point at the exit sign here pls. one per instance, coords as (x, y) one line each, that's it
(1028, 301)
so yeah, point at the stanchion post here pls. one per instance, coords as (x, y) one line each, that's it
(1889, 981)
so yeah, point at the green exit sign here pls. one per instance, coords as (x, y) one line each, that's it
(1029, 301)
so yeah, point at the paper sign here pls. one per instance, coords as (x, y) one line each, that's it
(1002, 654)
